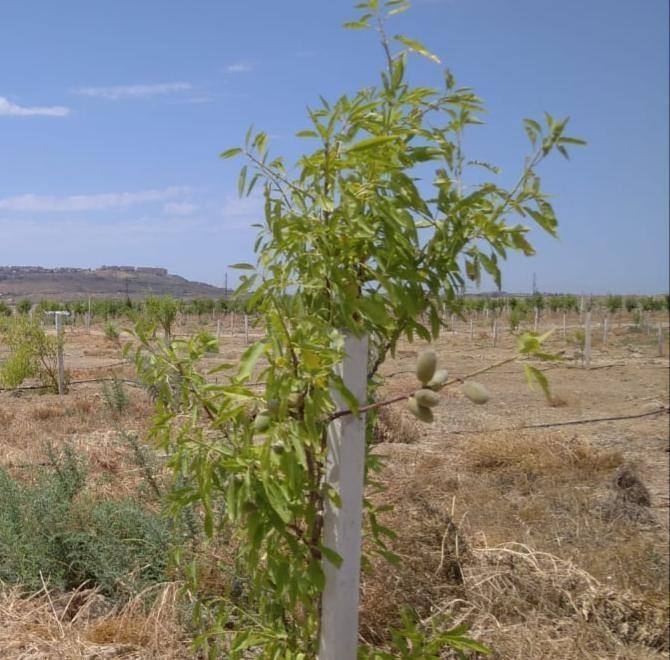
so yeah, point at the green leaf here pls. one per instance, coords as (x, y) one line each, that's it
(355, 25)
(571, 140)
(371, 143)
(230, 153)
(535, 375)
(399, 9)
(331, 556)
(243, 266)
(249, 359)
(546, 220)
(316, 576)
(277, 500)
(242, 181)
(417, 47)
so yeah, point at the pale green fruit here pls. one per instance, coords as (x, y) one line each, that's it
(439, 380)
(278, 448)
(295, 399)
(476, 392)
(420, 412)
(425, 366)
(427, 398)
(261, 423)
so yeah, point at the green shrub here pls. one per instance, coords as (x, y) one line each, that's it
(32, 353)
(24, 306)
(111, 332)
(50, 529)
(114, 395)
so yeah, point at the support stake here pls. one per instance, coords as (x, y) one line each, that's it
(345, 469)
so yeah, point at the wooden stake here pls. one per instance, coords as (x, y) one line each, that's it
(537, 319)
(660, 340)
(472, 330)
(587, 341)
(605, 328)
(61, 363)
(59, 348)
(345, 468)
(246, 329)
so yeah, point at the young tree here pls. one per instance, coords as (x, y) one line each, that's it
(24, 306)
(376, 232)
(162, 311)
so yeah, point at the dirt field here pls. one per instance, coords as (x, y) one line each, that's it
(548, 538)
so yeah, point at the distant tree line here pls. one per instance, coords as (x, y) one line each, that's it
(106, 309)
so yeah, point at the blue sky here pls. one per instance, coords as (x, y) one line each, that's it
(113, 113)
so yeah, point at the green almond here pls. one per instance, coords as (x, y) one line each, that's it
(425, 366)
(420, 412)
(261, 423)
(439, 380)
(476, 392)
(427, 398)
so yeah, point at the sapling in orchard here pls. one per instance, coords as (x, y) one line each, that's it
(374, 232)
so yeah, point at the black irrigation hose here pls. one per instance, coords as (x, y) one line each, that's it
(73, 382)
(573, 422)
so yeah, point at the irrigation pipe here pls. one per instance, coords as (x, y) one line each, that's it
(572, 422)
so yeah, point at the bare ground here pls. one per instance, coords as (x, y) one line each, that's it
(541, 539)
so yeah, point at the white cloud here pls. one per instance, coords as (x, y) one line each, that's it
(116, 93)
(239, 67)
(9, 109)
(240, 213)
(100, 202)
(179, 208)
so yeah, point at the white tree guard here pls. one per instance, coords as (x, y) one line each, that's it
(345, 470)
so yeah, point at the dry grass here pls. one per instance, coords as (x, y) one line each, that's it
(511, 539)
(542, 542)
(84, 625)
(538, 455)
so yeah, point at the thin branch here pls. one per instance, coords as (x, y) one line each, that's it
(573, 422)
(403, 397)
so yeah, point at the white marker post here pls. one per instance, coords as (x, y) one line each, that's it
(564, 326)
(345, 468)
(605, 328)
(495, 332)
(453, 324)
(59, 349)
(660, 340)
(536, 322)
(88, 317)
(472, 330)
(218, 329)
(587, 341)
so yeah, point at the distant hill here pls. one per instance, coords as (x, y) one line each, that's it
(36, 283)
